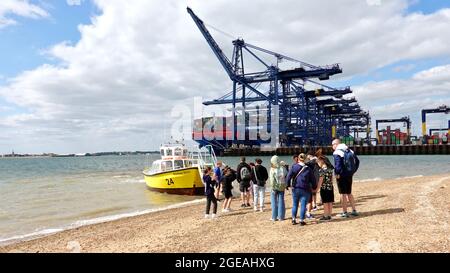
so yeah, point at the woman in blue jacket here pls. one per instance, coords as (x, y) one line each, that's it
(302, 180)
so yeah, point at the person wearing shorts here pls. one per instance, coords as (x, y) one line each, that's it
(244, 182)
(326, 187)
(226, 182)
(345, 184)
(343, 177)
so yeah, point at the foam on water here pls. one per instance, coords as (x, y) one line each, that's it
(370, 179)
(407, 177)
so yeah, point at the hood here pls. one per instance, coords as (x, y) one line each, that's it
(275, 160)
(340, 150)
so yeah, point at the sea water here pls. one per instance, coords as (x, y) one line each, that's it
(44, 195)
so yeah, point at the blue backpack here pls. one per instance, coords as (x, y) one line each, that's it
(349, 161)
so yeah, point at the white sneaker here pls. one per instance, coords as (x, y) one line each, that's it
(213, 216)
(261, 209)
(206, 216)
(255, 208)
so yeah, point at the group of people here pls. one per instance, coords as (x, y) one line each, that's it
(308, 175)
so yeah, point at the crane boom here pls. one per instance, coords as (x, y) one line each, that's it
(214, 46)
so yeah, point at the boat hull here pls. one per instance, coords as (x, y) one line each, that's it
(185, 181)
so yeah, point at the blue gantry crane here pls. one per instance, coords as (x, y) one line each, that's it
(304, 117)
(441, 109)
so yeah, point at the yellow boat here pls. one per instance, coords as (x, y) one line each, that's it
(179, 171)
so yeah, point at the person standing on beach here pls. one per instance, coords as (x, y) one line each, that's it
(303, 183)
(261, 176)
(252, 181)
(346, 163)
(312, 163)
(217, 177)
(326, 187)
(277, 180)
(227, 180)
(243, 177)
(294, 160)
(285, 166)
(209, 192)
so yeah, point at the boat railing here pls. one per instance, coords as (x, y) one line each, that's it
(205, 157)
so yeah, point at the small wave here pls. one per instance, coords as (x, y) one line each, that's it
(121, 176)
(132, 181)
(131, 214)
(408, 177)
(80, 223)
(370, 179)
(32, 235)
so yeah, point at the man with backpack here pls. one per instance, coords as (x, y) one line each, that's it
(244, 176)
(346, 164)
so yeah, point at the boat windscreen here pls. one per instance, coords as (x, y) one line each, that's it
(166, 165)
(178, 164)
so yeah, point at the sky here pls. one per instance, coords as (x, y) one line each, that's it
(82, 76)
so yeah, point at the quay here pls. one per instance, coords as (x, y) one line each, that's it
(360, 150)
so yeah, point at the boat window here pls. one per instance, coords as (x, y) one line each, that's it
(155, 167)
(169, 152)
(162, 152)
(178, 152)
(185, 152)
(188, 163)
(178, 164)
(166, 166)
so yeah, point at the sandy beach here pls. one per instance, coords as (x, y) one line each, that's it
(399, 215)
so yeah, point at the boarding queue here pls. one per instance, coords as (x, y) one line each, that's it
(308, 177)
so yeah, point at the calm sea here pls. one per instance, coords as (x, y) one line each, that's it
(45, 195)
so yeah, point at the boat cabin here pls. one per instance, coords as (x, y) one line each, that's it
(172, 164)
(173, 151)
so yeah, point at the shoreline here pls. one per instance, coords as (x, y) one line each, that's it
(155, 232)
(113, 217)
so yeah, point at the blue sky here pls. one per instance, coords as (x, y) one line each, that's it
(142, 49)
(428, 6)
(23, 45)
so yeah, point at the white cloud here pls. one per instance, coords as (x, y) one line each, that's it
(397, 98)
(115, 88)
(74, 2)
(20, 8)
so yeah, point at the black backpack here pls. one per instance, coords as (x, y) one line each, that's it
(349, 161)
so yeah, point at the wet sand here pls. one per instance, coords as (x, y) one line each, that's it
(400, 215)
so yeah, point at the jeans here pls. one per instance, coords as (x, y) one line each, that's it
(210, 198)
(300, 196)
(258, 191)
(278, 206)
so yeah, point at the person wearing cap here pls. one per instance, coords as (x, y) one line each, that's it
(303, 182)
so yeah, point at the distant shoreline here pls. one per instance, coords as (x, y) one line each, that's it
(78, 155)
